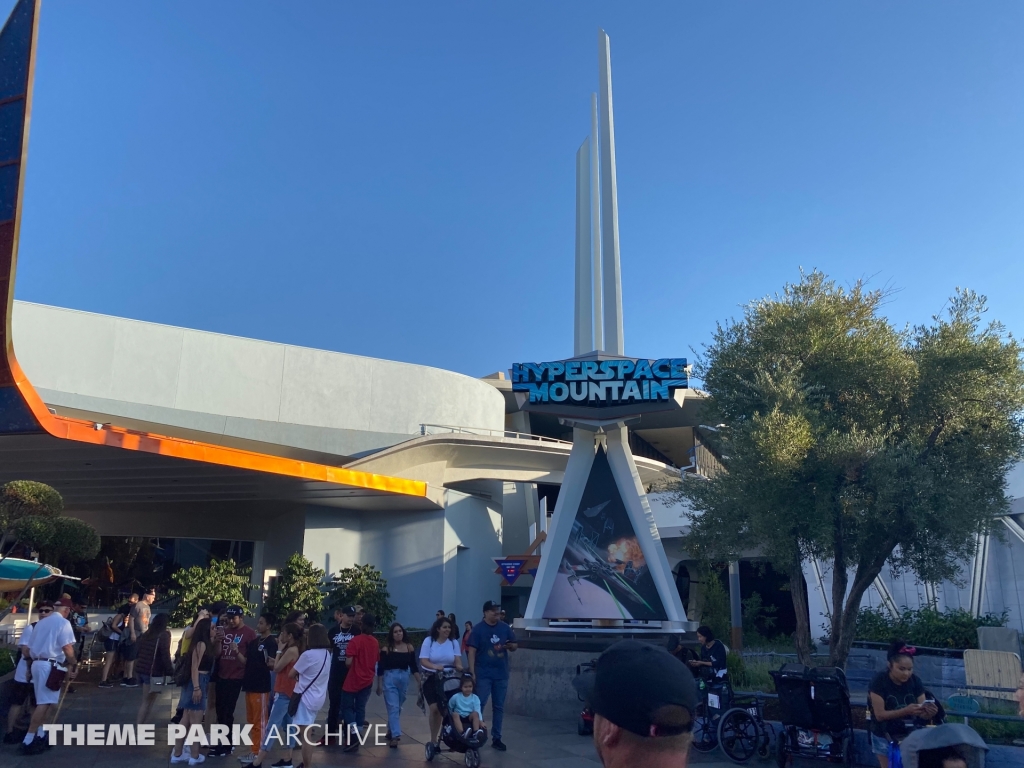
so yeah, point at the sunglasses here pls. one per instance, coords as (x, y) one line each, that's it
(45, 610)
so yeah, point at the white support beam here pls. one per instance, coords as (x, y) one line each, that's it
(979, 573)
(886, 597)
(577, 470)
(583, 340)
(634, 498)
(1013, 527)
(611, 273)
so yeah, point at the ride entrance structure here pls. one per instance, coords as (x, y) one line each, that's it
(603, 568)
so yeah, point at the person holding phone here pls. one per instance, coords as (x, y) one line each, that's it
(234, 636)
(258, 657)
(489, 644)
(895, 696)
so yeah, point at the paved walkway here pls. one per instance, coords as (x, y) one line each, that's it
(532, 743)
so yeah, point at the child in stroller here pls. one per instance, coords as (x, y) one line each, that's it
(466, 705)
(450, 685)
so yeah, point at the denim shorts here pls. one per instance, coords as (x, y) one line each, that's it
(879, 745)
(185, 702)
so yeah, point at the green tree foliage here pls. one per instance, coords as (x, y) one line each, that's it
(363, 585)
(955, 628)
(197, 586)
(714, 601)
(846, 439)
(26, 498)
(30, 515)
(297, 589)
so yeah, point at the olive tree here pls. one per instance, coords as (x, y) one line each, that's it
(849, 440)
(30, 517)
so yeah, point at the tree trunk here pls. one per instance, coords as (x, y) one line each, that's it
(803, 618)
(844, 614)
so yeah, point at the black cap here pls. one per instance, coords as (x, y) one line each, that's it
(490, 605)
(234, 610)
(349, 610)
(641, 688)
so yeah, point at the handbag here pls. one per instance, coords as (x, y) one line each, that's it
(55, 679)
(293, 703)
(182, 672)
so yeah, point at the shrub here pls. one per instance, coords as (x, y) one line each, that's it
(197, 586)
(363, 585)
(954, 628)
(749, 674)
(297, 589)
(715, 602)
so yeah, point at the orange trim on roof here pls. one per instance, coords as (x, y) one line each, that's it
(82, 431)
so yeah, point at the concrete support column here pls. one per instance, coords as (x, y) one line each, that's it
(735, 605)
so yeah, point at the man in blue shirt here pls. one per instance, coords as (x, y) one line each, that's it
(489, 645)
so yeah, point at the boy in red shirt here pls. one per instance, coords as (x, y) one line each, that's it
(361, 656)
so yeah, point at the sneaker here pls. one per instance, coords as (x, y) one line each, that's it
(196, 760)
(498, 745)
(131, 682)
(104, 684)
(282, 764)
(247, 759)
(393, 742)
(478, 733)
(184, 757)
(465, 734)
(37, 747)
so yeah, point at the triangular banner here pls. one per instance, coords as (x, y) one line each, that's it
(510, 569)
(603, 573)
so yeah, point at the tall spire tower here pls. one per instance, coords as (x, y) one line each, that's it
(598, 275)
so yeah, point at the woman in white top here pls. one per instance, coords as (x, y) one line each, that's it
(311, 673)
(440, 650)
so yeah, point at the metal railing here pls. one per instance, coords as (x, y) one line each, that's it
(446, 429)
(864, 703)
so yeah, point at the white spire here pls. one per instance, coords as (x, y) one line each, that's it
(584, 337)
(595, 229)
(611, 274)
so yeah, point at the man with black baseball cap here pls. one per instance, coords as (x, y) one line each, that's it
(643, 702)
(341, 634)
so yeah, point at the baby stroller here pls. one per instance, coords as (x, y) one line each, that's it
(448, 683)
(816, 718)
(585, 722)
(919, 745)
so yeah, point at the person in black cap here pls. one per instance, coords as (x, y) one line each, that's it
(643, 702)
(340, 634)
(488, 646)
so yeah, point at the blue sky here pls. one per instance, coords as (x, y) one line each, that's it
(397, 179)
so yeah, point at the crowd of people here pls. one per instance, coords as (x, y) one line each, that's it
(642, 698)
(286, 676)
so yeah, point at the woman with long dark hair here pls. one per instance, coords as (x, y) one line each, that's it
(154, 662)
(193, 694)
(396, 665)
(438, 651)
(896, 695)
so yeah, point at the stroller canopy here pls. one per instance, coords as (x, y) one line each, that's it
(971, 745)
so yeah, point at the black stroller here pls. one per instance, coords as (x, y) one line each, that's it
(448, 682)
(815, 710)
